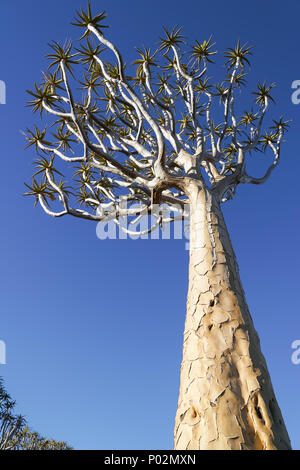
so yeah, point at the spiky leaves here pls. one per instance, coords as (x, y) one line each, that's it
(64, 139)
(239, 54)
(43, 165)
(52, 81)
(41, 95)
(38, 190)
(203, 50)
(263, 94)
(36, 137)
(62, 54)
(146, 60)
(281, 125)
(84, 19)
(249, 118)
(88, 53)
(172, 39)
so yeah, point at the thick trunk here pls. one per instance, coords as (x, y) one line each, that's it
(226, 396)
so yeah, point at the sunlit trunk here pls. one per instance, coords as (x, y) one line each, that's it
(226, 396)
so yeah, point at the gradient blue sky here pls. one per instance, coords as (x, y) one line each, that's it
(94, 328)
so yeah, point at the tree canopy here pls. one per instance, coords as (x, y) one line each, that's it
(112, 132)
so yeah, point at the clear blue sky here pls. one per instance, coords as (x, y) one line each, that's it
(94, 328)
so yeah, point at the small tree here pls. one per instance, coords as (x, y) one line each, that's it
(10, 424)
(15, 435)
(29, 440)
(152, 138)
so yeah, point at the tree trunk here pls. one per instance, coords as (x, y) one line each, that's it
(226, 396)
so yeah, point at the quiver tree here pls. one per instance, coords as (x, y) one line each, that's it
(15, 434)
(11, 424)
(151, 138)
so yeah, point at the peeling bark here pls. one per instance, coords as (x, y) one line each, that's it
(226, 396)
